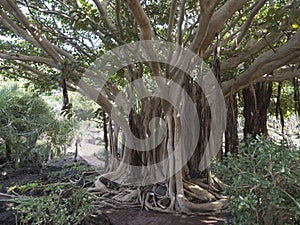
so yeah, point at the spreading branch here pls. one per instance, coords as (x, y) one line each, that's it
(265, 64)
(219, 18)
(146, 33)
(250, 51)
(281, 75)
(44, 43)
(21, 57)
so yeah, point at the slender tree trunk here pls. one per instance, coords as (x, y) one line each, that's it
(296, 96)
(17, 158)
(105, 137)
(114, 134)
(8, 149)
(231, 134)
(76, 150)
(279, 113)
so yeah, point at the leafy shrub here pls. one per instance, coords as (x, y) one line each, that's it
(29, 127)
(263, 182)
(67, 207)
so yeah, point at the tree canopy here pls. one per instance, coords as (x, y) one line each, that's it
(46, 41)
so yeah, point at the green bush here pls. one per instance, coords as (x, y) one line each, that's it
(263, 182)
(65, 208)
(28, 126)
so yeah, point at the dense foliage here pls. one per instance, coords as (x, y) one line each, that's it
(263, 182)
(29, 129)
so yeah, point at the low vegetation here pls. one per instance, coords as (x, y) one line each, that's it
(59, 207)
(57, 197)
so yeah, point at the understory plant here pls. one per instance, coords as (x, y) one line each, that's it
(65, 208)
(263, 182)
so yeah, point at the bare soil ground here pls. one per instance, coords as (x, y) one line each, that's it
(138, 217)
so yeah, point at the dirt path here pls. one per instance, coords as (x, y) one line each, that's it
(90, 145)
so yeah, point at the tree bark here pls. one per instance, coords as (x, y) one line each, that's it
(105, 137)
(256, 103)
(8, 149)
(296, 96)
(231, 134)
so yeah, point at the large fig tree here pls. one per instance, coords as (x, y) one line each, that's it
(151, 89)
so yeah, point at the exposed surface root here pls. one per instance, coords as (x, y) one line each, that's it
(197, 197)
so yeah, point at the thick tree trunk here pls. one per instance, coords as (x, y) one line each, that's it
(166, 177)
(204, 123)
(181, 188)
(136, 128)
(256, 103)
